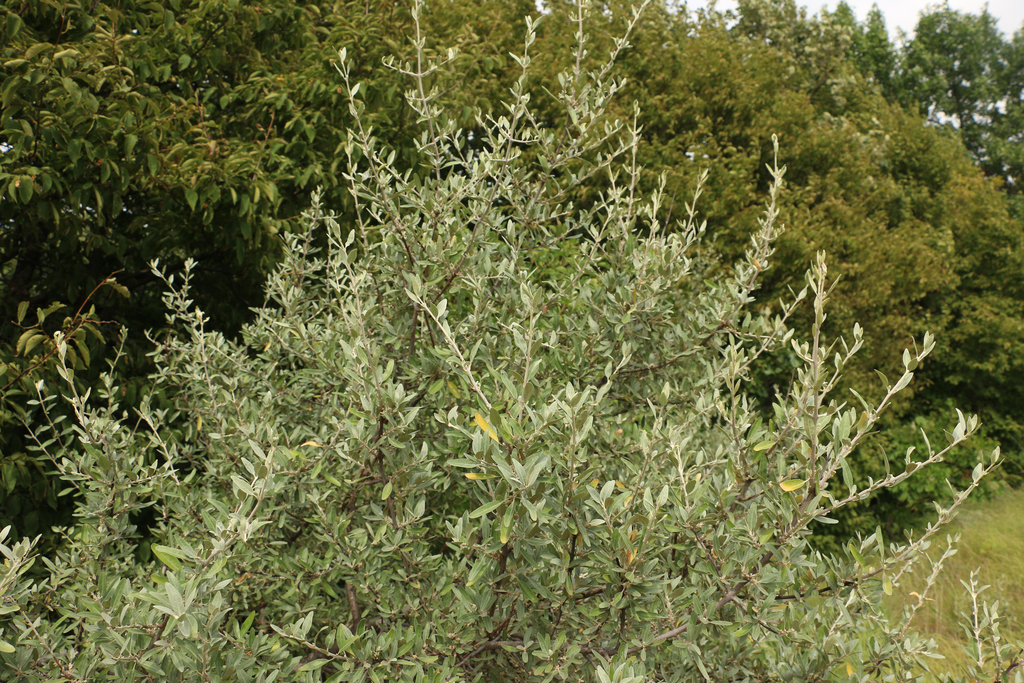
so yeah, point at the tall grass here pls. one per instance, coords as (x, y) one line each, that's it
(991, 542)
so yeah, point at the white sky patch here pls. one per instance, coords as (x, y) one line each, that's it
(903, 14)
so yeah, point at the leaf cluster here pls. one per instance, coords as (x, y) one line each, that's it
(140, 131)
(434, 456)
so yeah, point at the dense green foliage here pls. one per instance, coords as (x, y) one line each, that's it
(923, 240)
(963, 72)
(482, 433)
(195, 133)
(142, 131)
(965, 77)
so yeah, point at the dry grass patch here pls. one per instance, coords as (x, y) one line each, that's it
(991, 543)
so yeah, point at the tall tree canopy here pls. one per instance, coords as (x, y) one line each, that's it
(138, 131)
(923, 239)
(199, 130)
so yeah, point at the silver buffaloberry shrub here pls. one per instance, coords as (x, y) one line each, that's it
(486, 435)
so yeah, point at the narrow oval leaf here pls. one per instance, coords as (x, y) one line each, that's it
(482, 423)
(904, 381)
(83, 351)
(792, 484)
(33, 342)
(163, 553)
(19, 348)
(386, 493)
(463, 462)
(856, 554)
(485, 508)
(175, 599)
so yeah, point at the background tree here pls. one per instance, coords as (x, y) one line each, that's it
(872, 51)
(1007, 144)
(962, 72)
(924, 240)
(955, 64)
(895, 202)
(138, 131)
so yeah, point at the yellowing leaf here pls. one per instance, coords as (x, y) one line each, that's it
(454, 389)
(312, 443)
(792, 484)
(199, 423)
(483, 424)
(477, 476)
(764, 445)
(849, 669)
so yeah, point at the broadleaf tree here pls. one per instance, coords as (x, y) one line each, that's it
(135, 131)
(923, 241)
